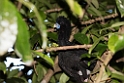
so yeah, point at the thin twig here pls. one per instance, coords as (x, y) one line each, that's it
(19, 6)
(74, 31)
(51, 30)
(113, 70)
(20, 74)
(53, 10)
(120, 60)
(99, 19)
(91, 21)
(34, 66)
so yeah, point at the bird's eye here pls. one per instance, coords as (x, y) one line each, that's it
(57, 26)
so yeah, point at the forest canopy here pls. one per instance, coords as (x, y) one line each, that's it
(26, 26)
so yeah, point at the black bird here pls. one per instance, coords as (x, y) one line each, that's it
(70, 60)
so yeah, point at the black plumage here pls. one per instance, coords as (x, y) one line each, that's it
(69, 60)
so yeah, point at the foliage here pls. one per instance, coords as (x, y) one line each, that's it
(25, 25)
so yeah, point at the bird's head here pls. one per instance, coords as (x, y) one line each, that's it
(63, 26)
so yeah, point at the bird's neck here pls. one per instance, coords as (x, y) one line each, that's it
(63, 38)
(63, 42)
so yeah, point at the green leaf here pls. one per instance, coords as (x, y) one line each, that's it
(95, 3)
(81, 38)
(85, 55)
(120, 6)
(45, 57)
(22, 46)
(53, 16)
(52, 36)
(34, 78)
(8, 25)
(42, 14)
(34, 39)
(46, 3)
(64, 78)
(118, 76)
(114, 25)
(92, 9)
(39, 22)
(114, 81)
(40, 71)
(13, 73)
(63, 13)
(53, 79)
(95, 44)
(94, 38)
(84, 31)
(116, 42)
(2, 66)
(15, 80)
(117, 24)
(100, 48)
(75, 8)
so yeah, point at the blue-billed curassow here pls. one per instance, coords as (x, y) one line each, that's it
(70, 61)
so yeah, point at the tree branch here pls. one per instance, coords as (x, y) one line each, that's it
(89, 21)
(100, 67)
(99, 19)
(64, 48)
(53, 10)
(19, 6)
(120, 60)
(51, 72)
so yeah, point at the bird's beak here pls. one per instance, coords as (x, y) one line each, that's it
(56, 26)
(55, 29)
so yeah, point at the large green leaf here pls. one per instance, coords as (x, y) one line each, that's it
(120, 6)
(8, 25)
(116, 42)
(22, 46)
(39, 22)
